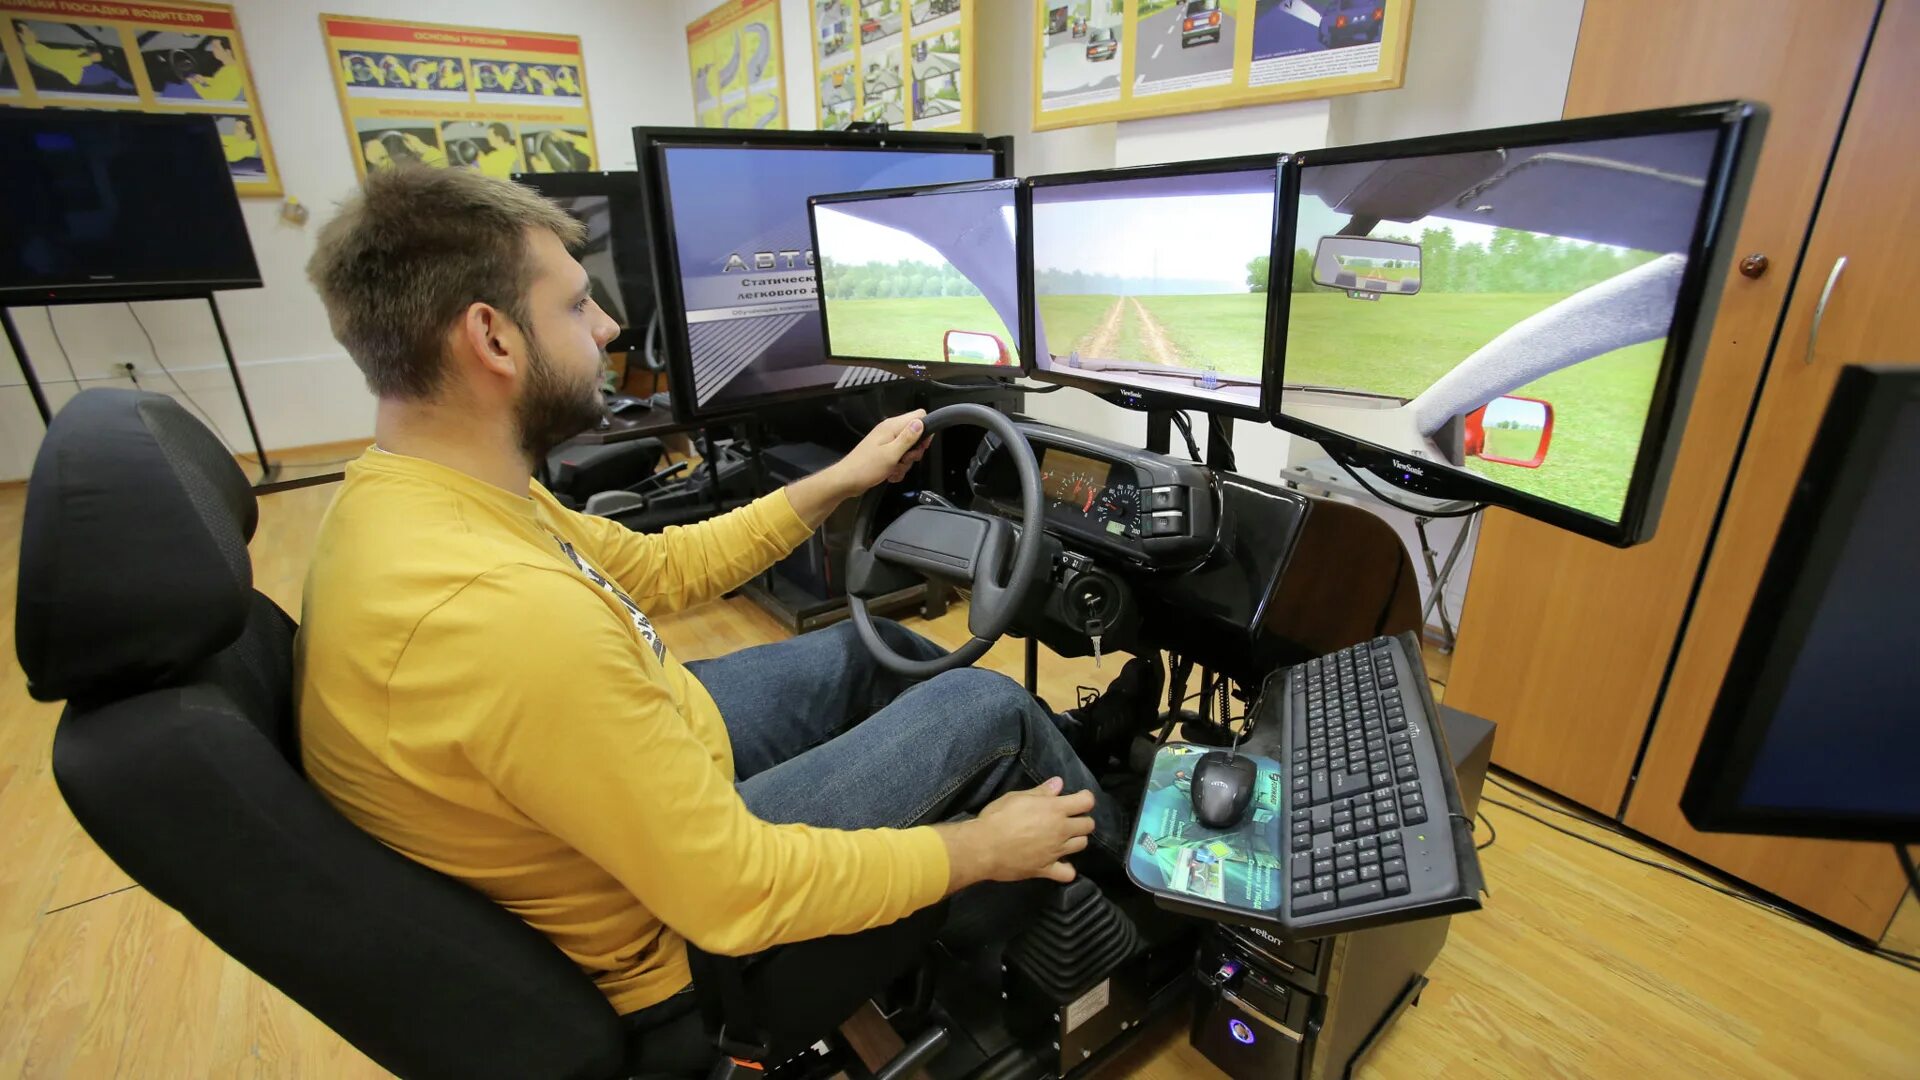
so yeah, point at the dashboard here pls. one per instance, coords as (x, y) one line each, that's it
(1151, 509)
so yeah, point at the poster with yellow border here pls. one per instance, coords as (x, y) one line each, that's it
(907, 64)
(499, 101)
(1101, 60)
(734, 51)
(147, 57)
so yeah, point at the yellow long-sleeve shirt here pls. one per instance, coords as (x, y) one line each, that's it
(481, 689)
(239, 149)
(501, 163)
(227, 84)
(71, 64)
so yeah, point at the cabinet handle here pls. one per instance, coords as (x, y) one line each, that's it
(1820, 309)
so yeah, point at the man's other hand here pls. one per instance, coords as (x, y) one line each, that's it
(1021, 835)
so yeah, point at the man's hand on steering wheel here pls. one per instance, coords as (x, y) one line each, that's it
(996, 558)
(888, 451)
(884, 456)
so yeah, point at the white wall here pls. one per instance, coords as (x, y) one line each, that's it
(302, 387)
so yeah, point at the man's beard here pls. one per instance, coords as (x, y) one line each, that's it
(550, 412)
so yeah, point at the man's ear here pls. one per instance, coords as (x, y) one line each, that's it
(491, 338)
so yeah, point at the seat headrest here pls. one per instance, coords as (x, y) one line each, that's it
(133, 553)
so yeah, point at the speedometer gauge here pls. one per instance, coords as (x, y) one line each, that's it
(1118, 509)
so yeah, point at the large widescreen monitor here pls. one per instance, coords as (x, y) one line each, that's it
(733, 259)
(922, 281)
(1516, 317)
(615, 253)
(1814, 732)
(110, 205)
(1149, 285)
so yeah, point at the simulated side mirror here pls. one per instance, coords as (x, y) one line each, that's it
(971, 347)
(1362, 264)
(1510, 431)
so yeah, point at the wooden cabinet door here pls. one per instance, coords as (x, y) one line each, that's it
(1870, 216)
(1564, 642)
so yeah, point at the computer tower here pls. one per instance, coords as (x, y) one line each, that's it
(818, 567)
(1277, 1010)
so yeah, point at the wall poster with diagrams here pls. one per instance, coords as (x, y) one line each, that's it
(148, 57)
(1096, 61)
(904, 63)
(738, 79)
(499, 101)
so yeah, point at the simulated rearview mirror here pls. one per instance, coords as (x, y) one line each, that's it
(1510, 431)
(971, 347)
(1364, 265)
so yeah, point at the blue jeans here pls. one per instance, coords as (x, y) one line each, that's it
(823, 735)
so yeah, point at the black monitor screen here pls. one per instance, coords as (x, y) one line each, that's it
(111, 205)
(744, 262)
(922, 279)
(1846, 726)
(1503, 312)
(596, 253)
(615, 252)
(1156, 284)
(1817, 727)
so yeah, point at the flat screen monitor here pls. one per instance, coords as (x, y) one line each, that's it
(1149, 285)
(1817, 726)
(1515, 317)
(615, 253)
(733, 259)
(103, 205)
(922, 281)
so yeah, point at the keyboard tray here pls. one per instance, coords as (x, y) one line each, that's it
(1235, 875)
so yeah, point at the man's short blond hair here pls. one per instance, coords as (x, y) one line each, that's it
(405, 257)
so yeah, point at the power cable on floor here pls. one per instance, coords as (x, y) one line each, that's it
(1892, 956)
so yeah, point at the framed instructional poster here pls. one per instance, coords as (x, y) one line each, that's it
(734, 51)
(1101, 60)
(904, 63)
(498, 101)
(173, 57)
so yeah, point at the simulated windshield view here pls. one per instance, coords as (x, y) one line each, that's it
(1503, 311)
(1156, 284)
(926, 279)
(739, 218)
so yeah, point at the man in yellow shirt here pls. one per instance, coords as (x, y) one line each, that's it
(228, 82)
(73, 64)
(239, 143)
(482, 688)
(502, 158)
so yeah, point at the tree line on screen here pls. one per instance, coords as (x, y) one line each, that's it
(1514, 261)
(1056, 282)
(885, 281)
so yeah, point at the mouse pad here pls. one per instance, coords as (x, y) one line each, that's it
(1173, 853)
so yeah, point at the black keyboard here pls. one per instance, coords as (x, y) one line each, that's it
(1367, 827)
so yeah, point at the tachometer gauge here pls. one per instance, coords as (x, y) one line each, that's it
(1118, 509)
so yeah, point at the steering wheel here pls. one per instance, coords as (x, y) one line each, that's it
(946, 542)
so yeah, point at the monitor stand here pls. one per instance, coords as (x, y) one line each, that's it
(268, 470)
(1219, 437)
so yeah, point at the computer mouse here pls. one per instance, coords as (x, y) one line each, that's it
(620, 404)
(1223, 786)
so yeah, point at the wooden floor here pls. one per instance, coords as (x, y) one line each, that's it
(1581, 964)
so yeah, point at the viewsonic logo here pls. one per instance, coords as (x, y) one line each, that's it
(1406, 467)
(787, 259)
